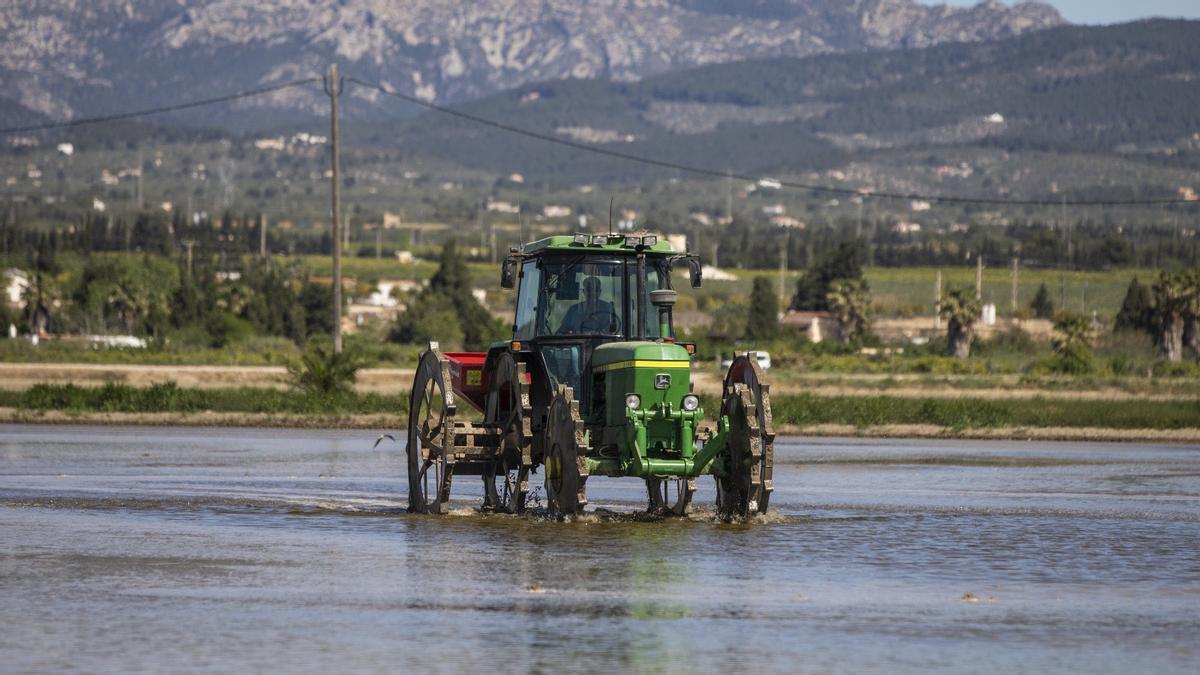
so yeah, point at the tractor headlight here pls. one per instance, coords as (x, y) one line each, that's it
(691, 403)
(633, 401)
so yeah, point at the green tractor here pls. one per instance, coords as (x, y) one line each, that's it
(593, 383)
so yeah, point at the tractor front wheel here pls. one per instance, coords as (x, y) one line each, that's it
(566, 470)
(671, 496)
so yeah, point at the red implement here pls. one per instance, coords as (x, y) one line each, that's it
(467, 376)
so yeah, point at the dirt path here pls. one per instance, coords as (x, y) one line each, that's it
(18, 376)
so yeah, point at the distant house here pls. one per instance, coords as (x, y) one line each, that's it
(498, 206)
(774, 209)
(816, 325)
(787, 221)
(555, 211)
(905, 227)
(394, 289)
(16, 283)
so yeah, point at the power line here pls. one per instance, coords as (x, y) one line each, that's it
(714, 173)
(163, 109)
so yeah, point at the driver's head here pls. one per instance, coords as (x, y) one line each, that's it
(591, 289)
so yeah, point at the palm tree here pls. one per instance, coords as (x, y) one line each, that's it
(1072, 345)
(130, 302)
(1175, 298)
(1191, 313)
(850, 302)
(961, 310)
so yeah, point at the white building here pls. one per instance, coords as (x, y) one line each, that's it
(16, 283)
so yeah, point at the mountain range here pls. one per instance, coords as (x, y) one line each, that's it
(65, 59)
(1092, 112)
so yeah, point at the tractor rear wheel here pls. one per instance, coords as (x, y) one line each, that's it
(431, 409)
(744, 485)
(566, 466)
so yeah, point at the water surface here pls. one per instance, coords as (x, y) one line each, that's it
(135, 549)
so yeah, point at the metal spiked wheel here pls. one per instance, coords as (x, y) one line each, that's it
(671, 496)
(744, 485)
(431, 409)
(566, 466)
(509, 410)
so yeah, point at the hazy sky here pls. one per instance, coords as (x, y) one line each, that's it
(1108, 11)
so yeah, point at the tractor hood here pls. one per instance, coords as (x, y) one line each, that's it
(657, 372)
(616, 355)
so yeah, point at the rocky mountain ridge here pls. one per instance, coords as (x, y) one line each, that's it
(71, 58)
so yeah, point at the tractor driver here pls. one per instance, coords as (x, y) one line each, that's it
(591, 316)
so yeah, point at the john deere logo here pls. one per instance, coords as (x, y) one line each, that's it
(662, 381)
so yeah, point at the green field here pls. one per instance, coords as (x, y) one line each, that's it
(895, 290)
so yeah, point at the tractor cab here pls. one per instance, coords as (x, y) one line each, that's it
(579, 293)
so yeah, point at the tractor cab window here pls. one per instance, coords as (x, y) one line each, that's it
(586, 296)
(657, 274)
(582, 297)
(527, 301)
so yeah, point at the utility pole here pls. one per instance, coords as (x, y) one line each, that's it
(1067, 229)
(379, 242)
(141, 201)
(858, 227)
(333, 89)
(728, 202)
(262, 235)
(937, 301)
(1016, 270)
(189, 244)
(978, 276)
(783, 261)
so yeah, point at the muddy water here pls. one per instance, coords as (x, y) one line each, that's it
(198, 549)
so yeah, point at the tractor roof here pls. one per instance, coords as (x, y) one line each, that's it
(601, 243)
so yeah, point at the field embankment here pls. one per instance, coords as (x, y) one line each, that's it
(802, 414)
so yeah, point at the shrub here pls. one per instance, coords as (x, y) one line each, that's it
(322, 371)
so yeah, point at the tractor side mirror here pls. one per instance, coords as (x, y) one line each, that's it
(695, 272)
(508, 273)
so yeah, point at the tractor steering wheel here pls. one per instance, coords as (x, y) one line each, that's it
(599, 321)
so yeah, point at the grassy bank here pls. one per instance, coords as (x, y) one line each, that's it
(966, 413)
(801, 410)
(168, 398)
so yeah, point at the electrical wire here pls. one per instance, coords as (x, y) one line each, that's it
(773, 182)
(156, 111)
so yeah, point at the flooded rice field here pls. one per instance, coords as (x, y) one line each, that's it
(137, 549)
